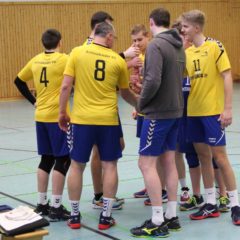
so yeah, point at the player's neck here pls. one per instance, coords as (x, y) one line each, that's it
(100, 41)
(199, 40)
(158, 30)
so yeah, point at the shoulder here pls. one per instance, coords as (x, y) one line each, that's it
(215, 42)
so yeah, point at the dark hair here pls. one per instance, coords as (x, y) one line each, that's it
(178, 25)
(161, 17)
(99, 17)
(103, 29)
(51, 38)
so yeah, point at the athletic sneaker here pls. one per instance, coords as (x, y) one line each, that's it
(194, 202)
(149, 229)
(42, 210)
(58, 214)
(141, 194)
(74, 222)
(185, 196)
(235, 215)
(224, 204)
(105, 222)
(147, 202)
(173, 224)
(117, 204)
(206, 211)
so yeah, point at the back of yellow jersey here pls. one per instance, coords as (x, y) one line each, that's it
(46, 70)
(97, 70)
(204, 67)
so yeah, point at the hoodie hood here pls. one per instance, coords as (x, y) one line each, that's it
(172, 36)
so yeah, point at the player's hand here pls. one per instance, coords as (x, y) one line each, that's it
(136, 62)
(131, 52)
(134, 114)
(63, 121)
(226, 118)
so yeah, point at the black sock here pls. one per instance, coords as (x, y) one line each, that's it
(98, 196)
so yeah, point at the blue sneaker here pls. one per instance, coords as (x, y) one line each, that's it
(74, 222)
(141, 194)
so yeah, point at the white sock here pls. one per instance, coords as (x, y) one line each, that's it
(183, 182)
(233, 197)
(107, 206)
(157, 215)
(56, 201)
(171, 210)
(75, 208)
(210, 195)
(42, 198)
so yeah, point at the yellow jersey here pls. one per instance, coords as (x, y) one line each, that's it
(46, 70)
(204, 66)
(98, 71)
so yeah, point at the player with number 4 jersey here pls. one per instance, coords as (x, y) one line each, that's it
(46, 71)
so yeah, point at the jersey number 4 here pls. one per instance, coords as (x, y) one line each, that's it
(99, 73)
(43, 77)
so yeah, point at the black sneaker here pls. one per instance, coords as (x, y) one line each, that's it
(105, 222)
(42, 210)
(194, 202)
(206, 211)
(172, 224)
(58, 214)
(235, 215)
(149, 229)
(74, 222)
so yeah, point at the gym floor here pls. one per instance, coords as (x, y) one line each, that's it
(19, 161)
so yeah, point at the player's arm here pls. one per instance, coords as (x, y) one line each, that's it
(24, 90)
(128, 96)
(130, 52)
(64, 96)
(226, 116)
(152, 75)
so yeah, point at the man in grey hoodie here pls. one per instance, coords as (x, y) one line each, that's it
(161, 102)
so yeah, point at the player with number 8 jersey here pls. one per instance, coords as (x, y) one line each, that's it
(95, 96)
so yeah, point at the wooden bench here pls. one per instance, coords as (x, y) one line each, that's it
(36, 235)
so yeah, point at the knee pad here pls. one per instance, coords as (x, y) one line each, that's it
(47, 162)
(62, 164)
(215, 166)
(192, 160)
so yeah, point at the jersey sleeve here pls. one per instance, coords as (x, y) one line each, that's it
(70, 66)
(123, 81)
(221, 57)
(26, 73)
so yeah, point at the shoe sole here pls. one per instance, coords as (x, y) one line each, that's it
(105, 227)
(100, 207)
(75, 226)
(224, 210)
(150, 204)
(237, 223)
(212, 215)
(187, 209)
(140, 196)
(159, 236)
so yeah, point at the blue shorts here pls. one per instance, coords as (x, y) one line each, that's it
(184, 146)
(207, 130)
(51, 140)
(158, 136)
(105, 137)
(139, 125)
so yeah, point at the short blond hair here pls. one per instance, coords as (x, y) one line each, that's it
(139, 28)
(194, 16)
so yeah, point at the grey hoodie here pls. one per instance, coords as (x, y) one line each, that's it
(161, 96)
